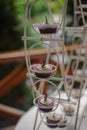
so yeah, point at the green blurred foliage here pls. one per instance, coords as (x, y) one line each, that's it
(10, 35)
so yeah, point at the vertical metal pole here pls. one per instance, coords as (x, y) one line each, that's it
(36, 116)
(74, 12)
(63, 36)
(81, 87)
(82, 13)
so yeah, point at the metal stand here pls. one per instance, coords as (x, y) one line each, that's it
(49, 41)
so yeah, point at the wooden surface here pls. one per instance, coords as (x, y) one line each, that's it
(19, 55)
(10, 113)
(12, 80)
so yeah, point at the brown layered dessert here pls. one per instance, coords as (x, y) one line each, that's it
(53, 119)
(43, 71)
(45, 103)
(47, 28)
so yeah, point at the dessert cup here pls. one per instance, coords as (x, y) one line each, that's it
(76, 92)
(53, 120)
(47, 28)
(43, 72)
(80, 73)
(45, 105)
(69, 109)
